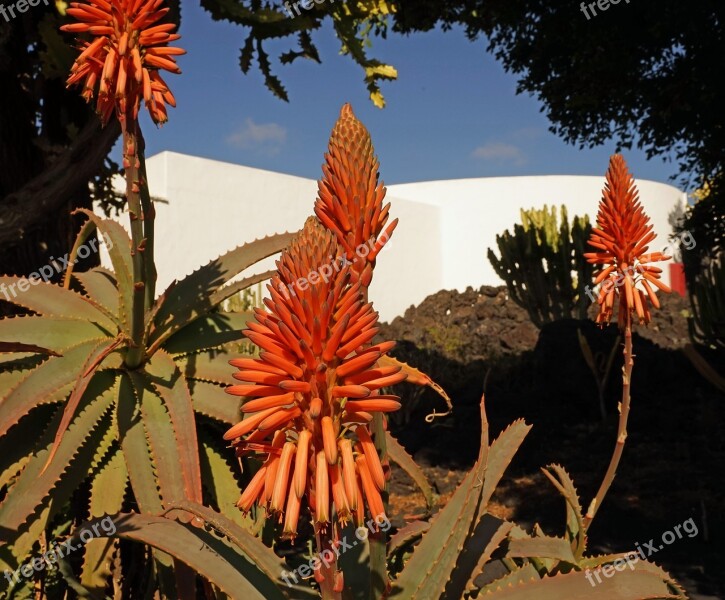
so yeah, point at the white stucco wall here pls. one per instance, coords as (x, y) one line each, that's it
(208, 207)
(474, 211)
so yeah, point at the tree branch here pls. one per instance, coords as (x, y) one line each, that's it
(24, 209)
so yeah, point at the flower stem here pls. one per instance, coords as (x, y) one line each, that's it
(621, 430)
(149, 215)
(328, 568)
(131, 164)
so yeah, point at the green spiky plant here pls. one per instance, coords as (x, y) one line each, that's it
(114, 395)
(543, 266)
(110, 397)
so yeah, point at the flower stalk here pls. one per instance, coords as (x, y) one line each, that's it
(350, 204)
(149, 216)
(621, 239)
(328, 577)
(132, 164)
(621, 429)
(119, 69)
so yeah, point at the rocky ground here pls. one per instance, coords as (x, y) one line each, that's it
(674, 461)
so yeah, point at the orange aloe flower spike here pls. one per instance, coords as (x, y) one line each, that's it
(621, 238)
(350, 197)
(121, 65)
(297, 393)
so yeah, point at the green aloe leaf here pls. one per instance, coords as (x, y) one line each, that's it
(219, 477)
(541, 547)
(50, 382)
(518, 575)
(119, 249)
(211, 401)
(107, 491)
(134, 445)
(90, 366)
(13, 350)
(100, 285)
(21, 547)
(270, 566)
(398, 455)
(53, 333)
(575, 530)
(75, 474)
(429, 571)
(190, 298)
(86, 462)
(236, 287)
(403, 539)
(163, 446)
(14, 365)
(212, 367)
(208, 332)
(493, 541)
(500, 456)
(211, 557)
(630, 558)
(170, 386)
(628, 584)
(22, 442)
(52, 300)
(417, 377)
(75, 455)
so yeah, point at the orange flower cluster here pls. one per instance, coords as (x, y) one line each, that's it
(350, 199)
(622, 238)
(312, 392)
(121, 65)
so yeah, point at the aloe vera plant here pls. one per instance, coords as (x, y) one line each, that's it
(110, 394)
(114, 403)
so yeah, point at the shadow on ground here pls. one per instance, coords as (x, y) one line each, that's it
(674, 461)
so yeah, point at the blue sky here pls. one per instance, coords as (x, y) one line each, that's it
(452, 113)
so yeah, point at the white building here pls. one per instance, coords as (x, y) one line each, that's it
(445, 230)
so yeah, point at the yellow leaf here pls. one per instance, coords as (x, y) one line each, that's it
(377, 99)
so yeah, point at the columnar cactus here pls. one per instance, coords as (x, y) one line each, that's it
(538, 262)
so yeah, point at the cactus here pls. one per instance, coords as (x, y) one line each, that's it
(543, 266)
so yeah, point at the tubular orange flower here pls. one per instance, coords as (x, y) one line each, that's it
(309, 385)
(121, 65)
(350, 199)
(622, 237)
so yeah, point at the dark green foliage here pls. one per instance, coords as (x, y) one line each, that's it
(707, 295)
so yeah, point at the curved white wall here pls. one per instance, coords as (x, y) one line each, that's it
(474, 211)
(441, 242)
